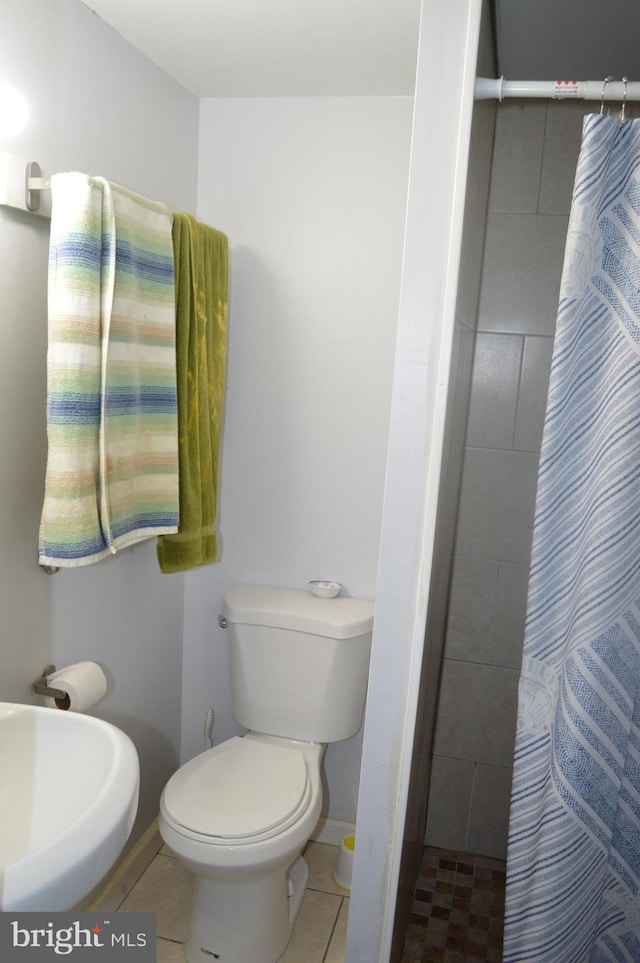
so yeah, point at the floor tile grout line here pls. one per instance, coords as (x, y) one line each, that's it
(327, 892)
(140, 875)
(333, 929)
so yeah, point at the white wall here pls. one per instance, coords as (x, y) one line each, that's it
(439, 163)
(95, 105)
(464, 336)
(311, 192)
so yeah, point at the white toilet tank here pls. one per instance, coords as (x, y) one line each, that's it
(299, 664)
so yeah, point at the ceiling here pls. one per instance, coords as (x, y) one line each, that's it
(274, 48)
(568, 39)
(271, 48)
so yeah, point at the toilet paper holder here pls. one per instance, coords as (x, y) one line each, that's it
(40, 686)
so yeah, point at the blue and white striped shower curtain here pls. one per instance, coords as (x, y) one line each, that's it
(573, 869)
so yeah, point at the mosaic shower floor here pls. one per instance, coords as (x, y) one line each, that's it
(458, 909)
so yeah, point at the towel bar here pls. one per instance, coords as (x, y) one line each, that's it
(21, 183)
(50, 569)
(35, 183)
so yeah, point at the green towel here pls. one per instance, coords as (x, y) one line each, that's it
(202, 281)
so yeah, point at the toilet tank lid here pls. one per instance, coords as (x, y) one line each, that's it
(338, 618)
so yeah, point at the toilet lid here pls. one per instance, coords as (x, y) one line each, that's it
(237, 789)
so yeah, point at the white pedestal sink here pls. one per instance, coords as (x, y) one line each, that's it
(68, 799)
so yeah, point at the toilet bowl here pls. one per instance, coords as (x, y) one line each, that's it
(239, 815)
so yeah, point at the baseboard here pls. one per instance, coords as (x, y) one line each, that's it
(332, 831)
(126, 873)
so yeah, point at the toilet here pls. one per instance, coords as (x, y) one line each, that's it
(240, 814)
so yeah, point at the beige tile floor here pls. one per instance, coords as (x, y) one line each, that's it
(319, 934)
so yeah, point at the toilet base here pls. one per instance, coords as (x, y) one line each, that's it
(245, 922)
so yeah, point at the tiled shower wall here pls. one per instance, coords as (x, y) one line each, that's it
(534, 162)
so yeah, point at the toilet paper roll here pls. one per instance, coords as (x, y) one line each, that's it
(84, 682)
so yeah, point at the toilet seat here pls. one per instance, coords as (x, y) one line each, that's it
(239, 792)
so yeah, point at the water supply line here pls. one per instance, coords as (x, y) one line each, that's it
(207, 732)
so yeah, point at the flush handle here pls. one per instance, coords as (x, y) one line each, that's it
(222, 622)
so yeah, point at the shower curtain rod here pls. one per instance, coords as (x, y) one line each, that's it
(602, 90)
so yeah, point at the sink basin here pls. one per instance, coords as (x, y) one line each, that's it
(68, 799)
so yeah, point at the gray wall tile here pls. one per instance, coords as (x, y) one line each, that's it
(536, 149)
(563, 135)
(477, 713)
(450, 800)
(475, 213)
(458, 398)
(473, 589)
(522, 270)
(489, 813)
(518, 145)
(532, 399)
(497, 504)
(509, 613)
(494, 391)
(458, 404)
(487, 610)
(429, 689)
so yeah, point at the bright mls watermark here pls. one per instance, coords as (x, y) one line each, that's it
(78, 937)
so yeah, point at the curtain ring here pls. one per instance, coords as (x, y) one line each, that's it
(624, 98)
(604, 87)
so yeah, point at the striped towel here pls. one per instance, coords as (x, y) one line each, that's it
(112, 469)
